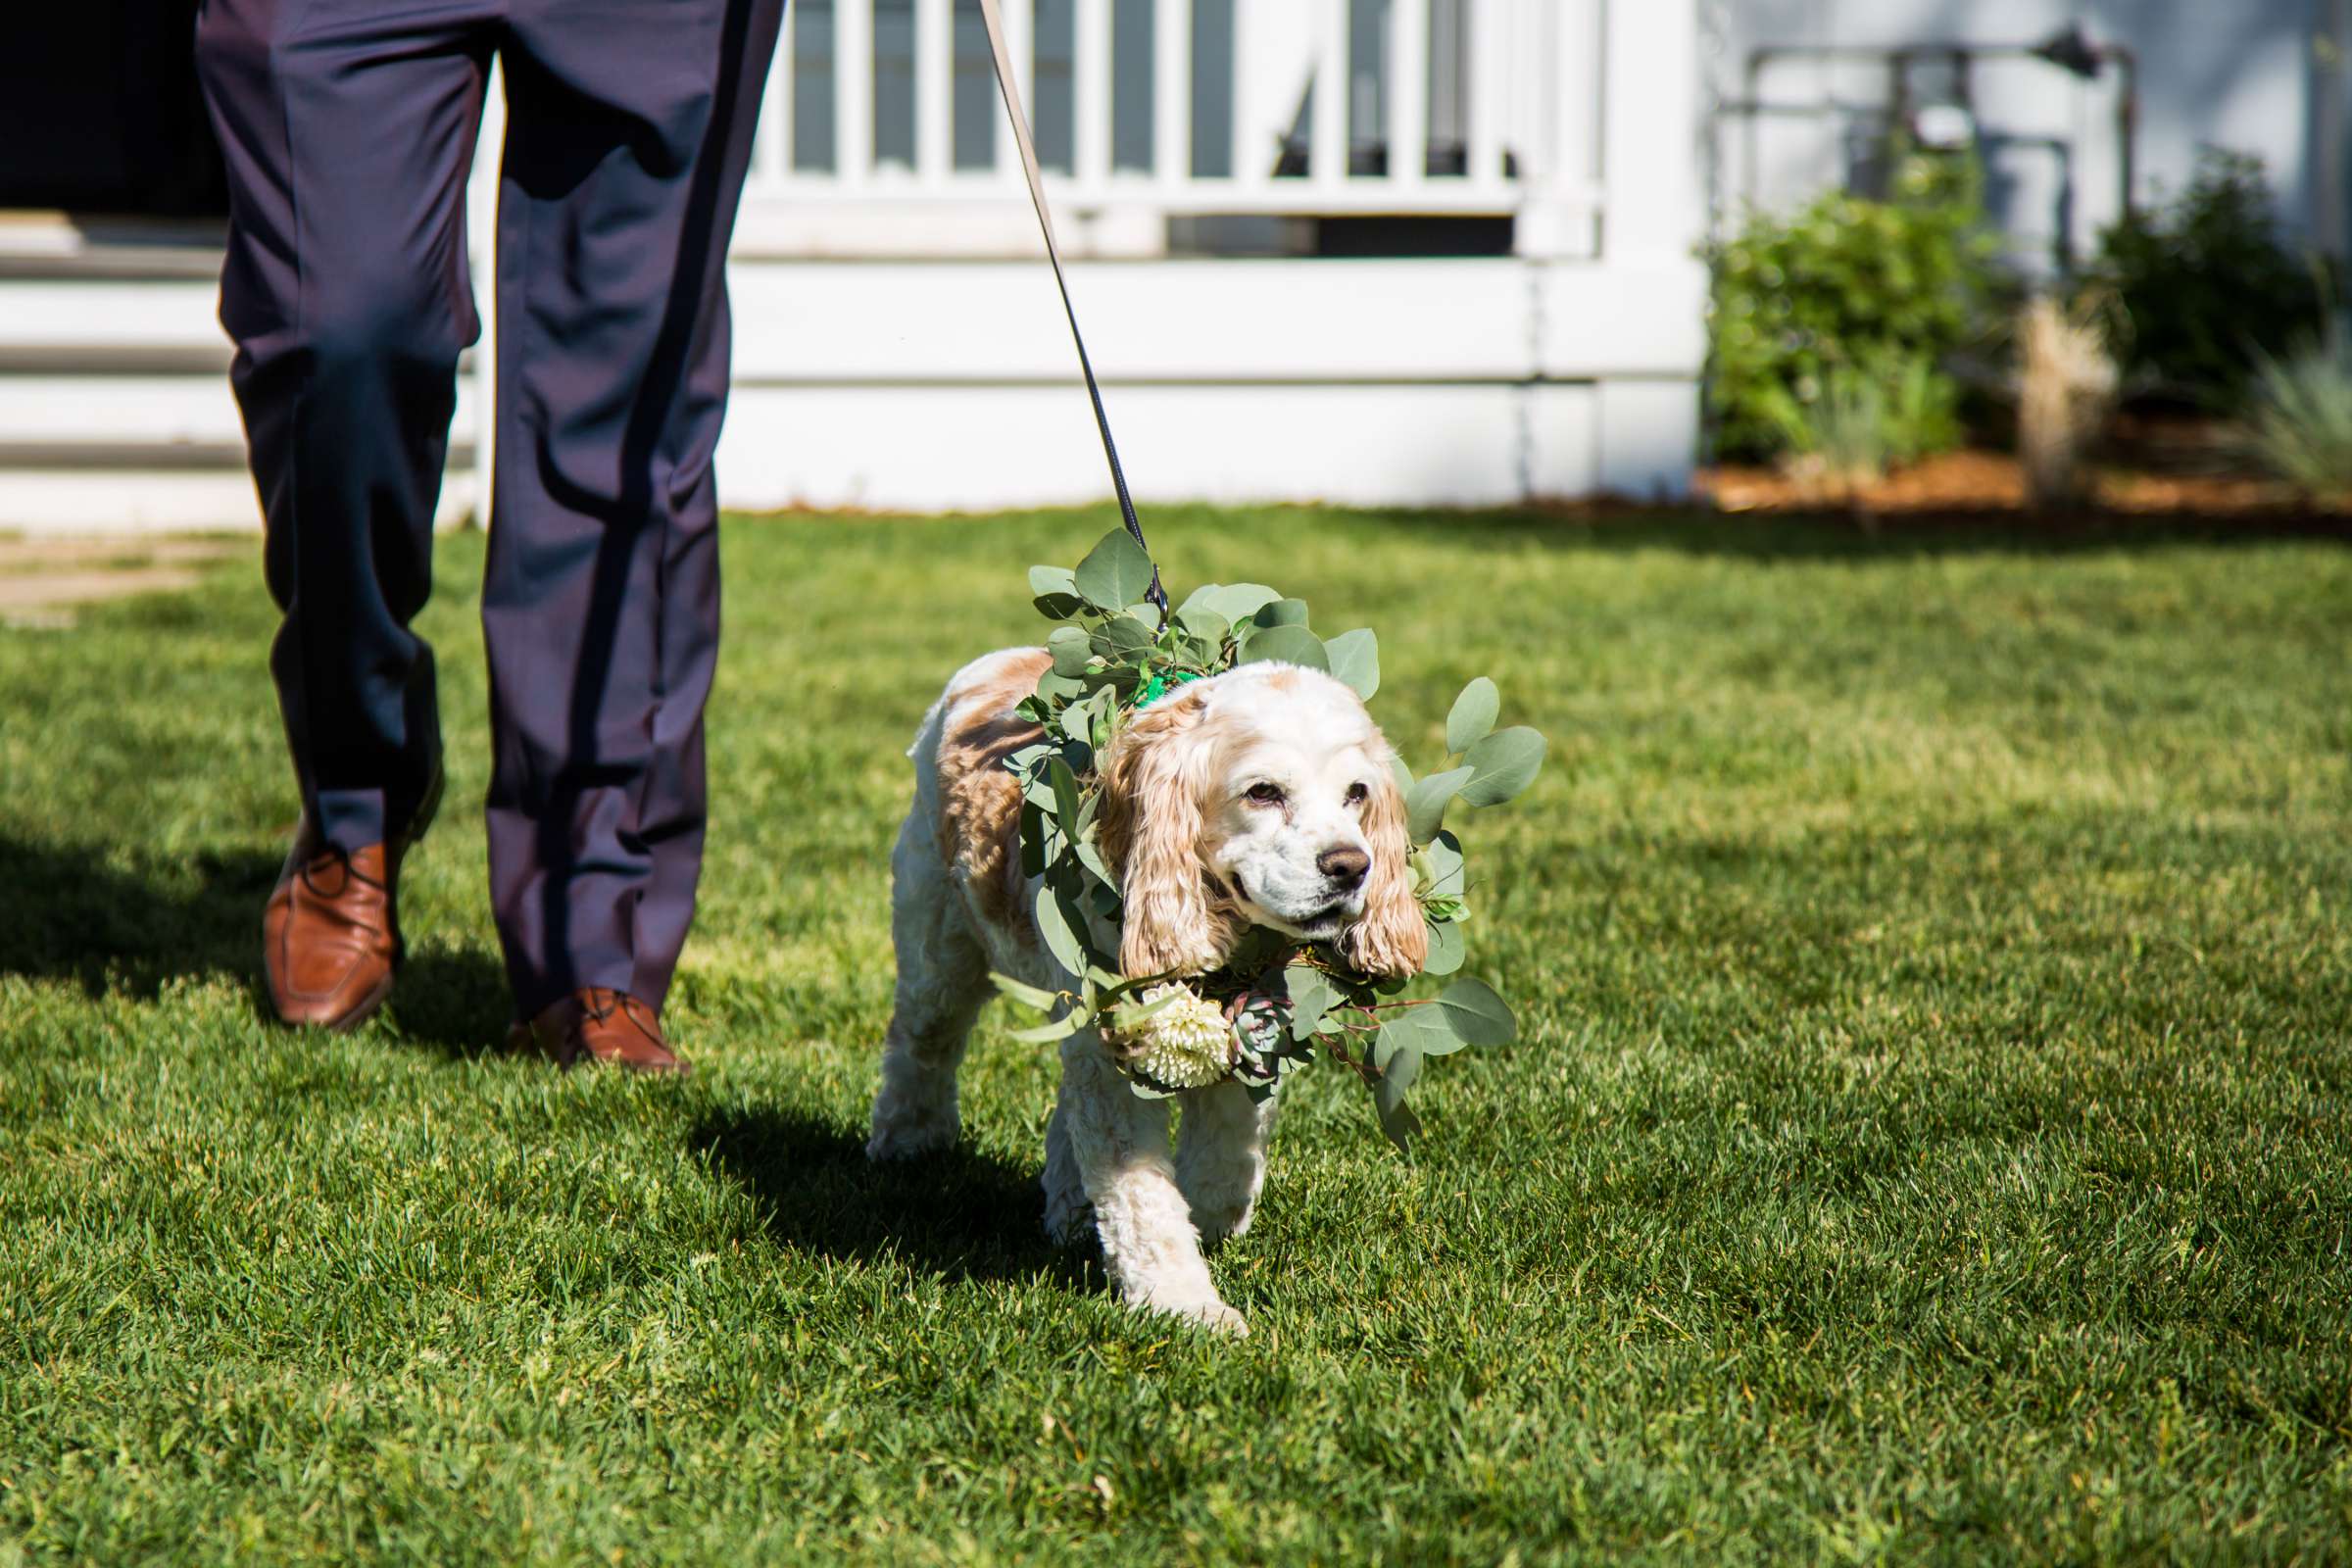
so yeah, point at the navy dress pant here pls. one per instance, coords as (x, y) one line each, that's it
(348, 127)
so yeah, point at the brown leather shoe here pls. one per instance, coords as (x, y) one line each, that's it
(329, 934)
(600, 1024)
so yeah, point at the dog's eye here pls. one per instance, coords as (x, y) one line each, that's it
(1357, 795)
(1266, 794)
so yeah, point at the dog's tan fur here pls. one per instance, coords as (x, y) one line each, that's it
(979, 798)
(1201, 852)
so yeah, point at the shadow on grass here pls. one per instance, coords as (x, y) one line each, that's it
(1832, 536)
(958, 1213)
(78, 914)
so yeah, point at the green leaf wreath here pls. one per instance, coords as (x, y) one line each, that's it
(1277, 1001)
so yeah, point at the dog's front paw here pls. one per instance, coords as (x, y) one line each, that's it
(1218, 1318)
(1222, 1223)
(909, 1136)
(1208, 1311)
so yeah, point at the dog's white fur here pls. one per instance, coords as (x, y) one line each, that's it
(1260, 796)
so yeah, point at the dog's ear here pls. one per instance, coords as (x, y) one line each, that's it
(1150, 837)
(1389, 937)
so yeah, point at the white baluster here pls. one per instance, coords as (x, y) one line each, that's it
(934, 92)
(853, 92)
(1327, 156)
(1251, 158)
(771, 160)
(1172, 91)
(1020, 41)
(1408, 92)
(1487, 87)
(1650, 135)
(1089, 97)
(1560, 125)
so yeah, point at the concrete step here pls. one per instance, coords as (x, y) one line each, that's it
(152, 498)
(185, 420)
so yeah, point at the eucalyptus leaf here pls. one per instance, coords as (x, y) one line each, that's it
(1103, 925)
(1057, 592)
(1472, 716)
(1398, 1061)
(1313, 995)
(1051, 1029)
(1424, 1027)
(1425, 803)
(1115, 573)
(1502, 764)
(1053, 929)
(1402, 774)
(1079, 721)
(1060, 688)
(1089, 855)
(1291, 645)
(1131, 1013)
(1120, 636)
(1446, 949)
(1444, 857)
(1400, 1124)
(1071, 648)
(1281, 612)
(1203, 626)
(1353, 657)
(1033, 840)
(1237, 601)
(1028, 995)
(1476, 1014)
(1396, 1049)
(1064, 785)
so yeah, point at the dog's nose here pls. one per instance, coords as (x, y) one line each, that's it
(1345, 867)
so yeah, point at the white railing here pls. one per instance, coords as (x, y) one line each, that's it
(1306, 109)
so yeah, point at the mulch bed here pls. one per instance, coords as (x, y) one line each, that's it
(2154, 465)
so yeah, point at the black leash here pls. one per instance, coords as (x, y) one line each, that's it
(1045, 220)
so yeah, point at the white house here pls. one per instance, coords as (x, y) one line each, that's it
(1806, 89)
(1407, 250)
(1464, 273)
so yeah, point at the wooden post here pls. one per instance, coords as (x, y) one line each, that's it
(1649, 130)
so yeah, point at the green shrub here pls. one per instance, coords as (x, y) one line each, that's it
(2299, 424)
(2208, 284)
(1874, 289)
(1864, 424)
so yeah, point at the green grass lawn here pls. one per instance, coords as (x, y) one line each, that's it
(1932, 1136)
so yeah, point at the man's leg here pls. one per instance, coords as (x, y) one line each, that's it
(629, 135)
(347, 134)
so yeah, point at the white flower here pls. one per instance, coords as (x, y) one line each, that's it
(1185, 1045)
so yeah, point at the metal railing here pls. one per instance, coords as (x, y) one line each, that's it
(1174, 107)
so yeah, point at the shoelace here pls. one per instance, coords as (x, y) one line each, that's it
(601, 1004)
(351, 873)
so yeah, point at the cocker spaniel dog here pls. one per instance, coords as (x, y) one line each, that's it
(1260, 797)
